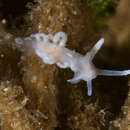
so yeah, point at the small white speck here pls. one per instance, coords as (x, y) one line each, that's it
(5, 89)
(2, 55)
(74, 12)
(3, 21)
(45, 86)
(24, 102)
(34, 79)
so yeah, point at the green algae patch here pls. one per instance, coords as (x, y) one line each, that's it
(102, 9)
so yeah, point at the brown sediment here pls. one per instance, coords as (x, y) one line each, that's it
(13, 114)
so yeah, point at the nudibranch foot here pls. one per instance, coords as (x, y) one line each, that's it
(75, 79)
(89, 85)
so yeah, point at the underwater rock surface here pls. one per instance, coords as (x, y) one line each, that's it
(36, 96)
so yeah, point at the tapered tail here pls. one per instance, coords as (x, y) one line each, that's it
(113, 72)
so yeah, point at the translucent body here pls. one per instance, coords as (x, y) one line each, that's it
(51, 49)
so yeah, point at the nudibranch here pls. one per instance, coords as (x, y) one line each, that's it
(51, 49)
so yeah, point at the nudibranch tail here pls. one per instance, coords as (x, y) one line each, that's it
(113, 72)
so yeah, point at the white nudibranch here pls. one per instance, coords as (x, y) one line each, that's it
(51, 49)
